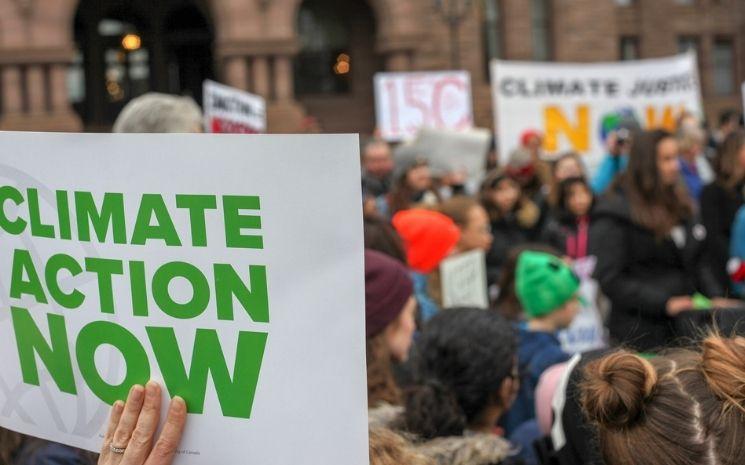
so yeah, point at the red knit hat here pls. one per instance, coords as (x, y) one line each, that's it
(387, 288)
(428, 236)
(528, 134)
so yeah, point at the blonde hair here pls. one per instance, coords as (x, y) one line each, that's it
(159, 113)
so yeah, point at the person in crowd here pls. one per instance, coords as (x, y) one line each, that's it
(684, 408)
(547, 289)
(390, 310)
(465, 379)
(130, 436)
(428, 238)
(513, 216)
(472, 220)
(617, 130)
(721, 199)
(694, 167)
(377, 167)
(650, 246)
(736, 264)
(381, 236)
(568, 230)
(532, 141)
(390, 448)
(19, 449)
(160, 113)
(413, 187)
(567, 165)
(729, 122)
(507, 303)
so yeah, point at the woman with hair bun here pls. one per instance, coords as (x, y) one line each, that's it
(683, 408)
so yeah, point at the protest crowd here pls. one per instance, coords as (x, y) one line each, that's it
(589, 347)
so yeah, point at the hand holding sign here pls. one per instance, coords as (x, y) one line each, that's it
(131, 430)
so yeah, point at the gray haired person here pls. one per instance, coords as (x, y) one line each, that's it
(158, 113)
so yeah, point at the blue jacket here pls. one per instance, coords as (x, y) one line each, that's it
(692, 179)
(737, 245)
(610, 167)
(427, 307)
(536, 352)
(37, 452)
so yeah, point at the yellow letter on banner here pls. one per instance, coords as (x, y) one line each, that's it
(556, 124)
(667, 121)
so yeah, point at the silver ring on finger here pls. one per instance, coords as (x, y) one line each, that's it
(116, 450)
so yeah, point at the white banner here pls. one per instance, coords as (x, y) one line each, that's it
(231, 110)
(577, 105)
(463, 279)
(406, 102)
(195, 260)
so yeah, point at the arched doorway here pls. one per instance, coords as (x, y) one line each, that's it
(129, 47)
(334, 70)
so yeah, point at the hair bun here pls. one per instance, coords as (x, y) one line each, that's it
(432, 410)
(723, 362)
(616, 387)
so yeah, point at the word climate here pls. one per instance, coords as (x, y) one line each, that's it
(141, 235)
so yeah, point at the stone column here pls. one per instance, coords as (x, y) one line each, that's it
(12, 97)
(261, 80)
(398, 61)
(58, 88)
(236, 72)
(36, 89)
(283, 78)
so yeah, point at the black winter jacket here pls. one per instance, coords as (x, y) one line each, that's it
(639, 272)
(718, 209)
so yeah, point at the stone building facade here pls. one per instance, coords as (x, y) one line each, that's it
(61, 67)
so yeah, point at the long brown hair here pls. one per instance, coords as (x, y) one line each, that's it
(654, 205)
(381, 385)
(684, 408)
(729, 169)
(553, 189)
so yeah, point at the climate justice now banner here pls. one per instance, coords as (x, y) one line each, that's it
(577, 106)
(195, 260)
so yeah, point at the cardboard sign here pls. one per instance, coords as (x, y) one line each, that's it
(464, 280)
(449, 151)
(407, 102)
(231, 110)
(195, 260)
(577, 105)
(587, 331)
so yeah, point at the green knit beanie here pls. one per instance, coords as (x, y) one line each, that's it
(543, 283)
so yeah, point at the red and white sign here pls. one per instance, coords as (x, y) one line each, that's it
(231, 110)
(406, 102)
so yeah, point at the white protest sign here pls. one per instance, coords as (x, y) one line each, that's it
(577, 105)
(587, 331)
(448, 151)
(406, 102)
(195, 260)
(463, 279)
(743, 97)
(231, 110)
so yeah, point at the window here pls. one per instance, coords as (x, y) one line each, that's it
(323, 64)
(492, 31)
(76, 78)
(686, 43)
(629, 48)
(540, 12)
(724, 67)
(624, 2)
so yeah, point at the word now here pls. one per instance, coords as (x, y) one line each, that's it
(235, 394)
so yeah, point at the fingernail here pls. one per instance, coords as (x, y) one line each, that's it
(118, 405)
(178, 403)
(152, 384)
(136, 392)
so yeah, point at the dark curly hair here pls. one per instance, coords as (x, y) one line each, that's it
(459, 363)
